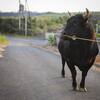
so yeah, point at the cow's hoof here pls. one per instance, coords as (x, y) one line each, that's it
(83, 89)
(63, 76)
(75, 88)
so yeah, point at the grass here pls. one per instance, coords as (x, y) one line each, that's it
(98, 35)
(3, 40)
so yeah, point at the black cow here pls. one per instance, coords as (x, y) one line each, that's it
(79, 52)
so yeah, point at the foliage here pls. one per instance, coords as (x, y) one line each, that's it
(98, 35)
(52, 40)
(43, 24)
(8, 25)
(39, 25)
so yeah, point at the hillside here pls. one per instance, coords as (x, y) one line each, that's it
(96, 15)
(15, 14)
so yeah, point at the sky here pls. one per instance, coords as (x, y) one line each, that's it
(51, 5)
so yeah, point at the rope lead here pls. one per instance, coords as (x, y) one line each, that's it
(75, 38)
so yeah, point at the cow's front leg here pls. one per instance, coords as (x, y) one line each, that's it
(63, 68)
(74, 73)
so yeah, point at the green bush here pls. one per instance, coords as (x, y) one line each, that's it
(52, 40)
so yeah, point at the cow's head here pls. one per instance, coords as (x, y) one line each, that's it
(78, 24)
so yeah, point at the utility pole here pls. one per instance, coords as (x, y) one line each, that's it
(21, 10)
(19, 17)
(96, 28)
(25, 17)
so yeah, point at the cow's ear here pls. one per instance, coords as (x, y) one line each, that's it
(86, 15)
(69, 14)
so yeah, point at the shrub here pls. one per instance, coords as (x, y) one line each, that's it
(52, 40)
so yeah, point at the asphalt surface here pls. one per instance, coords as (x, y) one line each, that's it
(30, 73)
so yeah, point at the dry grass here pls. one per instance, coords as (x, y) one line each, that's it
(3, 40)
(97, 59)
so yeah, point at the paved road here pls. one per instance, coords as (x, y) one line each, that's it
(29, 73)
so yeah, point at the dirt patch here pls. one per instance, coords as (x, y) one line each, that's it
(53, 48)
(97, 59)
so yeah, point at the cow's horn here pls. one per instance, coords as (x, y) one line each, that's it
(69, 14)
(87, 13)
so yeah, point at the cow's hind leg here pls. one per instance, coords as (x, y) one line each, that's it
(63, 67)
(84, 74)
(74, 73)
(82, 84)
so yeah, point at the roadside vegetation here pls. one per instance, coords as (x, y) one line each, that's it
(98, 35)
(3, 40)
(52, 40)
(39, 25)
